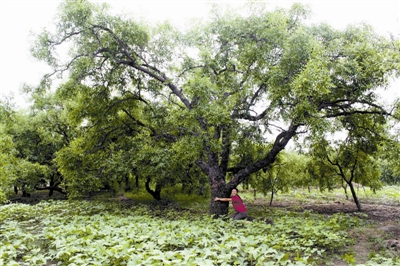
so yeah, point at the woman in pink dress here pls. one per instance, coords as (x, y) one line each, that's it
(241, 212)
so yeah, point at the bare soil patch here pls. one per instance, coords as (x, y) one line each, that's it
(375, 212)
(381, 235)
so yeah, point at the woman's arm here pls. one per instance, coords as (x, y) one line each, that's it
(222, 199)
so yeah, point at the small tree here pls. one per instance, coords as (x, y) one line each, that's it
(350, 161)
(287, 172)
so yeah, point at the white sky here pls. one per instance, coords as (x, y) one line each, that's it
(18, 18)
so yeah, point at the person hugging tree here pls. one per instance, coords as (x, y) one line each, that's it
(241, 212)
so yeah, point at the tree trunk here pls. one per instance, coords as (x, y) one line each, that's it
(218, 189)
(353, 192)
(155, 193)
(272, 197)
(51, 190)
(345, 191)
(25, 194)
(219, 208)
(128, 186)
(137, 181)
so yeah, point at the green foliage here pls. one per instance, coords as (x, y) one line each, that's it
(389, 162)
(15, 170)
(285, 173)
(97, 233)
(218, 101)
(33, 139)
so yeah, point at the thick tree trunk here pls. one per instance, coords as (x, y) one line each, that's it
(219, 208)
(218, 189)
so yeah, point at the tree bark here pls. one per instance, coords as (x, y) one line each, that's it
(218, 189)
(280, 143)
(156, 193)
(219, 208)
(353, 192)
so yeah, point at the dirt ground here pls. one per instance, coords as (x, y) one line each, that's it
(381, 235)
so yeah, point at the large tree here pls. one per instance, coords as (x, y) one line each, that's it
(260, 76)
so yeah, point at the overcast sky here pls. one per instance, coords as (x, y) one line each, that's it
(18, 18)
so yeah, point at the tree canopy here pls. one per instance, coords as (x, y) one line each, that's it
(157, 100)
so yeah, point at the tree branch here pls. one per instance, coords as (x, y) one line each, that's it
(280, 143)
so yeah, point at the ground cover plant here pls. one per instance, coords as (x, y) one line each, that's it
(94, 233)
(104, 232)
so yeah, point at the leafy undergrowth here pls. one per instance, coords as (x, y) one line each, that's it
(100, 233)
(179, 232)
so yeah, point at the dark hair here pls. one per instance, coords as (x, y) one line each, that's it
(237, 190)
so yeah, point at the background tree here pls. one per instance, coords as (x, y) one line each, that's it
(262, 75)
(15, 169)
(7, 152)
(351, 161)
(38, 135)
(389, 159)
(287, 172)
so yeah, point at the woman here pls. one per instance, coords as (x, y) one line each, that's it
(241, 212)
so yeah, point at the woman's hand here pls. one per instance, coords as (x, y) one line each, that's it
(216, 199)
